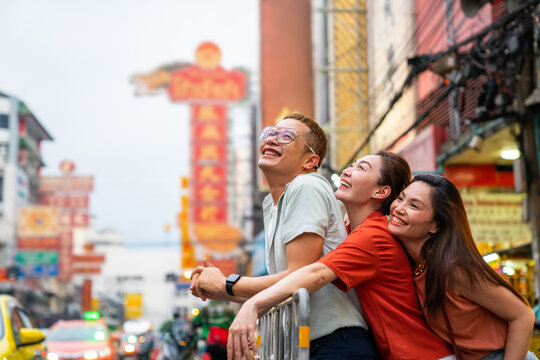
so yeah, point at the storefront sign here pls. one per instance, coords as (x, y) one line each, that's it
(38, 243)
(62, 183)
(478, 175)
(73, 220)
(66, 202)
(31, 271)
(37, 257)
(496, 220)
(38, 221)
(133, 305)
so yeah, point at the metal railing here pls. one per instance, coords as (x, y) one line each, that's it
(283, 332)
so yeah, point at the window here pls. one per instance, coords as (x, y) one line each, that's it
(4, 121)
(27, 323)
(16, 322)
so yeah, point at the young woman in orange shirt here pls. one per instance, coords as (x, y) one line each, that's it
(463, 299)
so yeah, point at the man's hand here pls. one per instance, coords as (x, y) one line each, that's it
(241, 340)
(194, 287)
(211, 282)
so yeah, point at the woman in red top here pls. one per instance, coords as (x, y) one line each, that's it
(464, 300)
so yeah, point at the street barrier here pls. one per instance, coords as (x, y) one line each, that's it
(283, 332)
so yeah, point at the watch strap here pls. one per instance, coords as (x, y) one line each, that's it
(229, 282)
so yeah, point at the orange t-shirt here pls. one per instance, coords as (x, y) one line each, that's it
(372, 261)
(477, 331)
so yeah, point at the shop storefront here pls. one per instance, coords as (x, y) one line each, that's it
(487, 172)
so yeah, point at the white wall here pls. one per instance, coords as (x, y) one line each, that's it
(159, 297)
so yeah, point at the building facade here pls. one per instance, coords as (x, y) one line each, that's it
(21, 135)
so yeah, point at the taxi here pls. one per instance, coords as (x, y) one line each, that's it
(80, 340)
(19, 340)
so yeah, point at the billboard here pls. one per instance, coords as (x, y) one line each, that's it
(207, 80)
(66, 201)
(69, 194)
(38, 270)
(43, 243)
(49, 184)
(133, 305)
(38, 221)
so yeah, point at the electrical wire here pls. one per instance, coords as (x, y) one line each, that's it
(502, 21)
(438, 99)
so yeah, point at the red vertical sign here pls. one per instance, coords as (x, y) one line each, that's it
(211, 87)
(209, 161)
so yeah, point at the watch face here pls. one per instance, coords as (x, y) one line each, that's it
(233, 278)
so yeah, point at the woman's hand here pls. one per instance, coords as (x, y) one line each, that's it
(241, 340)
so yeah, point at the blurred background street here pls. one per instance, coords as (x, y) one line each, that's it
(129, 136)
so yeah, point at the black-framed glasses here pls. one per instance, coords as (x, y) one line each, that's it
(283, 136)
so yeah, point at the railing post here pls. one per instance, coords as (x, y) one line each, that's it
(283, 332)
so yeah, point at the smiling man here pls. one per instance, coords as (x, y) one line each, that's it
(303, 222)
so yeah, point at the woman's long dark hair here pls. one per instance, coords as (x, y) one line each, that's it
(395, 173)
(452, 247)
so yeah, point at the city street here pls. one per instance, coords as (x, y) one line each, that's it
(144, 145)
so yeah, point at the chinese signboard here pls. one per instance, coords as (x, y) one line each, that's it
(38, 241)
(51, 184)
(496, 220)
(207, 80)
(38, 221)
(69, 194)
(208, 86)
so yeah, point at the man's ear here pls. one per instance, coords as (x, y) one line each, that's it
(382, 193)
(311, 162)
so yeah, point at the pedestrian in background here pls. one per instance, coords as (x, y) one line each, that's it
(302, 221)
(464, 300)
(214, 321)
(371, 260)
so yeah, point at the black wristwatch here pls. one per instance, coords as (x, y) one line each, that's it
(231, 280)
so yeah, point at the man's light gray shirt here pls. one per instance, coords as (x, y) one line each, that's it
(308, 205)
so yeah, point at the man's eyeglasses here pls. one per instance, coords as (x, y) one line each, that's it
(283, 136)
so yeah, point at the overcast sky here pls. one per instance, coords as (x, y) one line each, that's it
(70, 61)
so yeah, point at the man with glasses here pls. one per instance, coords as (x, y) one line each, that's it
(303, 222)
